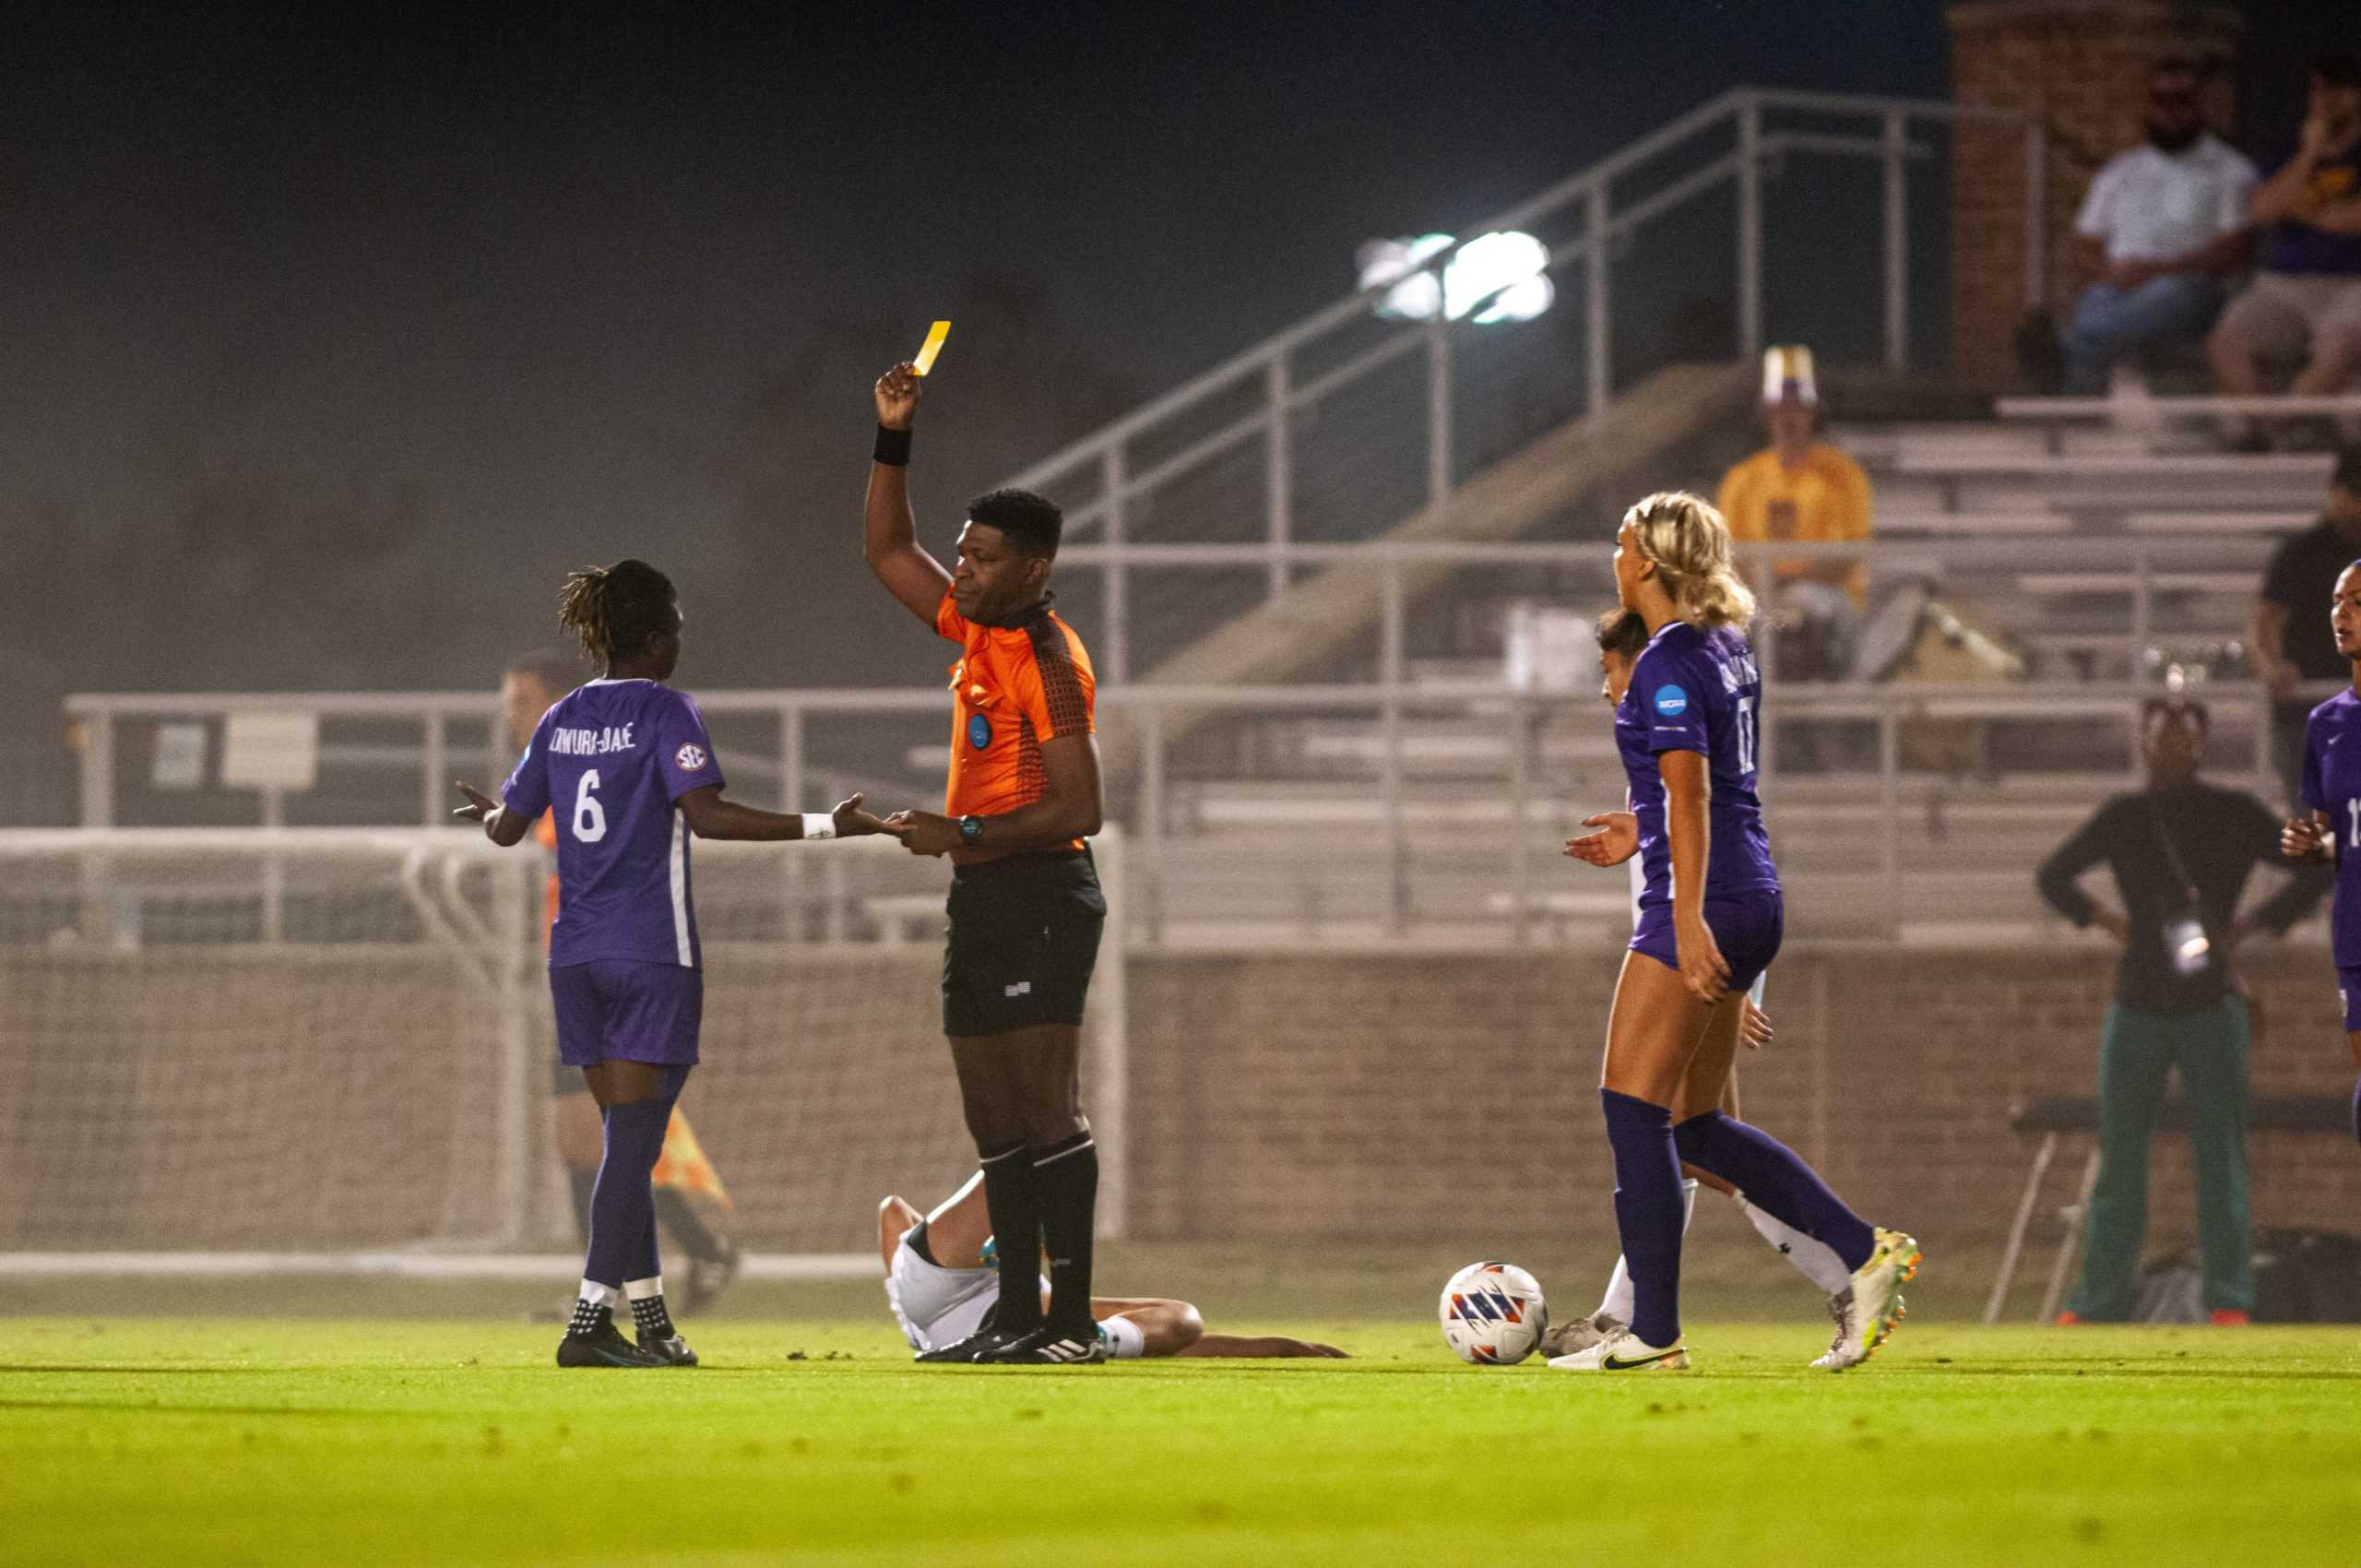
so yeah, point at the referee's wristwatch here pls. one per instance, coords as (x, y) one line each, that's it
(971, 831)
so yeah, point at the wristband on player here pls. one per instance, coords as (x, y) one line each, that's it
(892, 448)
(819, 825)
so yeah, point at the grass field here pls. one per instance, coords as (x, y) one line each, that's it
(294, 1441)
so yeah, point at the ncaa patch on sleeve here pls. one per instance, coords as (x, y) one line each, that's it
(1671, 701)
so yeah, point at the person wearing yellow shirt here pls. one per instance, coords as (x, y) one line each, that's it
(1800, 489)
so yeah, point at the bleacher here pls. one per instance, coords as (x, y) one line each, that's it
(2053, 520)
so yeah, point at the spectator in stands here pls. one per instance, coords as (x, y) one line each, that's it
(1799, 488)
(2291, 641)
(2306, 299)
(2163, 227)
(2181, 850)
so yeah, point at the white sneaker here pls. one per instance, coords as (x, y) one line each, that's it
(1578, 1334)
(1621, 1351)
(1869, 1307)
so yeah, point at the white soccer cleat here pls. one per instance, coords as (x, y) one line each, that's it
(1620, 1350)
(1578, 1334)
(1867, 1307)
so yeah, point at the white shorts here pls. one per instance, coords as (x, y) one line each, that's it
(938, 1306)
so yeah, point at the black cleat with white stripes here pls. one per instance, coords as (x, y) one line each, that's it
(1049, 1346)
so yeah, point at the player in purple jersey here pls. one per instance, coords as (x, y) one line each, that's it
(2333, 792)
(1710, 923)
(628, 764)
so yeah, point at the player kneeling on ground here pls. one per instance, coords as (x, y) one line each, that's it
(942, 1279)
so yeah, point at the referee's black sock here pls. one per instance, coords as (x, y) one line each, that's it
(1066, 1175)
(1011, 1201)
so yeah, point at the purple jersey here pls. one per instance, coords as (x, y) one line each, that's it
(614, 756)
(2333, 784)
(1699, 691)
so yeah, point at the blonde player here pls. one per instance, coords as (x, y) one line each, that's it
(1621, 636)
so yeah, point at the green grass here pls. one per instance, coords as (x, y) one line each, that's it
(455, 1442)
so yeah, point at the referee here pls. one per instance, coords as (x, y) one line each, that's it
(1025, 909)
(2181, 850)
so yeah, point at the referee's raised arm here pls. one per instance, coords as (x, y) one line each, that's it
(889, 536)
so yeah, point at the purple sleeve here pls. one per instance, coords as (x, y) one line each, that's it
(1672, 693)
(684, 751)
(528, 790)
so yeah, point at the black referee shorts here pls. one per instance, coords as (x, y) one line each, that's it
(1022, 942)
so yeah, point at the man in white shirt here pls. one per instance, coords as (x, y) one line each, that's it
(2163, 228)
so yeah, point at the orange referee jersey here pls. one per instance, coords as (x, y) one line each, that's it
(545, 835)
(1013, 688)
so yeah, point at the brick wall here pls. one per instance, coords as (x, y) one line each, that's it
(2079, 66)
(1280, 1097)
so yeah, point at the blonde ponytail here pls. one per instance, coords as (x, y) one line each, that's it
(1690, 542)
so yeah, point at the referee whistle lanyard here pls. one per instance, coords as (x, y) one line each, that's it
(2186, 941)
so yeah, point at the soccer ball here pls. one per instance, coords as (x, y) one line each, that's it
(1493, 1315)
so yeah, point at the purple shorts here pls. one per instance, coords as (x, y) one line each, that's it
(627, 1008)
(1746, 926)
(2348, 991)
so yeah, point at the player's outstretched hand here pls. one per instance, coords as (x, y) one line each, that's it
(479, 807)
(854, 823)
(898, 395)
(924, 833)
(1702, 968)
(2305, 839)
(1617, 841)
(1754, 1030)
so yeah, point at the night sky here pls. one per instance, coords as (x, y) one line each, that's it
(400, 323)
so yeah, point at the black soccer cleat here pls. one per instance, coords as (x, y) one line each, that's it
(670, 1350)
(594, 1341)
(976, 1345)
(1048, 1346)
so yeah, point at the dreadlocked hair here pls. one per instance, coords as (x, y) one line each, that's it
(615, 610)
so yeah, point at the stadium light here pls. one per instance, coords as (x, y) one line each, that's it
(1505, 274)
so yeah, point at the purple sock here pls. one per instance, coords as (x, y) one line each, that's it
(623, 1206)
(1776, 1180)
(1648, 1212)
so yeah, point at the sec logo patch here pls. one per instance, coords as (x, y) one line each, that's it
(1671, 701)
(691, 758)
(979, 731)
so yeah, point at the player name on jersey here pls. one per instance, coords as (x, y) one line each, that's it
(590, 742)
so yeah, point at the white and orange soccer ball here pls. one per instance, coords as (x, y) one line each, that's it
(1493, 1315)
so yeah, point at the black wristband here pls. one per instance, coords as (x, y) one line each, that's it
(893, 447)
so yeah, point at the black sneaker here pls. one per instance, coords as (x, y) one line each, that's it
(670, 1350)
(1049, 1346)
(986, 1339)
(596, 1342)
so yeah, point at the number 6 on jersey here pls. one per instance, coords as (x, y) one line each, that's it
(589, 818)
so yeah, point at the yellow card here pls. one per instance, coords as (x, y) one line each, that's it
(931, 347)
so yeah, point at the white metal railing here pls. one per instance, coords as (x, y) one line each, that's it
(1518, 717)
(2142, 571)
(1279, 391)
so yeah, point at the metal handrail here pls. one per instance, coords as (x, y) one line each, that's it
(1267, 370)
